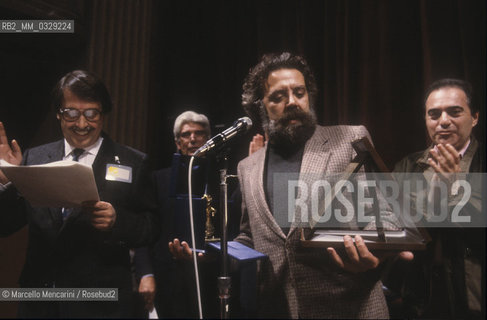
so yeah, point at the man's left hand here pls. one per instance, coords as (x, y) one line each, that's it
(102, 213)
(359, 258)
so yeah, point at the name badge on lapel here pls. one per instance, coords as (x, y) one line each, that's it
(117, 172)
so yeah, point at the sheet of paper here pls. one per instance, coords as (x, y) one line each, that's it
(56, 184)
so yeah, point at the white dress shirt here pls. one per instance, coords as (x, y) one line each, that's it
(87, 157)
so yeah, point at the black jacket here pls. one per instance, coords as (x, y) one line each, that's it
(73, 253)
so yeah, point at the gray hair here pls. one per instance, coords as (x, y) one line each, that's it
(190, 116)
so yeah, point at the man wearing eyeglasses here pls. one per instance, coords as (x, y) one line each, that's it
(84, 247)
(164, 282)
(191, 131)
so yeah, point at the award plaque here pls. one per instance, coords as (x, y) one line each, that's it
(390, 231)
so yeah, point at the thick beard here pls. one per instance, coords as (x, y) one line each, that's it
(285, 138)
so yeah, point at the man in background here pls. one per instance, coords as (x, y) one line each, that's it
(164, 282)
(447, 280)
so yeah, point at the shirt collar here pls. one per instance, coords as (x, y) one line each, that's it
(93, 149)
(464, 149)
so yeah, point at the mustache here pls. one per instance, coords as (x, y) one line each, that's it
(293, 113)
(82, 130)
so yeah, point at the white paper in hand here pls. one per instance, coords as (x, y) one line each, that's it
(56, 184)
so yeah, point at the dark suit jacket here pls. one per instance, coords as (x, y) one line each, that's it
(73, 253)
(175, 294)
(174, 279)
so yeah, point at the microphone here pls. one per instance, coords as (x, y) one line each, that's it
(238, 127)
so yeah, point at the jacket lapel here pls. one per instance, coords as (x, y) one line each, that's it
(104, 156)
(314, 164)
(466, 161)
(316, 154)
(57, 151)
(257, 191)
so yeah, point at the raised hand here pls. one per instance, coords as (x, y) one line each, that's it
(445, 160)
(12, 155)
(256, 143)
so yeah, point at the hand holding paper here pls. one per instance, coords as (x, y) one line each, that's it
(57, 184)
(102, 214)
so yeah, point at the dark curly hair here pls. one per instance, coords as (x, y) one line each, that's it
(86, 86)
(254, 84)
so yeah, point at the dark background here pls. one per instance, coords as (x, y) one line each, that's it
(372, 60)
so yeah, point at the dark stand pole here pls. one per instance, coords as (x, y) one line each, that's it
(224, 281)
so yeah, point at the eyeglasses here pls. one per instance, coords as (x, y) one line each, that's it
(69, 114)
(198, 134)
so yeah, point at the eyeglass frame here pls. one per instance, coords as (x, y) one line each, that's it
(64, 110)
(198, 134)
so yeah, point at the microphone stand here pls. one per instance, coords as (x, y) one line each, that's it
(224, 281)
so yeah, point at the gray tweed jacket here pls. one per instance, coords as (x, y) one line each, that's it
(296, 281)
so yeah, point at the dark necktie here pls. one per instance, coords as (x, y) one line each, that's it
(76, 154)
